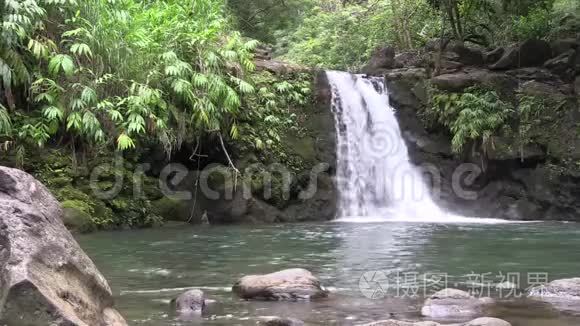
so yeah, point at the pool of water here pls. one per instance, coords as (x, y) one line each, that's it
(147, 268)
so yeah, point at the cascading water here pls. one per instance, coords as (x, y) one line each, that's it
(375, 177)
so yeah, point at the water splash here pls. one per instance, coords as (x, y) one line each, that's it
(375, 177)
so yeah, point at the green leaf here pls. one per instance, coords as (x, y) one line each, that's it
(125, 142)
(53, 113)
(81, 49)
(61, 62)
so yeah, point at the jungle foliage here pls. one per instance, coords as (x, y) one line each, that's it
(87, 74)
(342, 34)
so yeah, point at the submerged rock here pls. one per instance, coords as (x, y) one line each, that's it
(392, 322)
(452, 303)
(487, 321)
(45, 277)
(279, 321)
(289, 284)
(484, 321)
(189, 303)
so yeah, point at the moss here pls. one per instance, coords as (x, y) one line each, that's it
(171, 209)
(77, 216)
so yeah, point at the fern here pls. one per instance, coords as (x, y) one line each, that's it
(474, 116)
(5, 123)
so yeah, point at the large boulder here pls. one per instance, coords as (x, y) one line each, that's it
(289, 284)
(487, 321)
(493, 56)
(466, 55)
(382, 59)
(453, 303)
(530, 53)
(45, 278)
(563, 294)
(563, 65)
(562, 45)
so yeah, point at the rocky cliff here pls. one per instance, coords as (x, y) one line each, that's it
(530, 166)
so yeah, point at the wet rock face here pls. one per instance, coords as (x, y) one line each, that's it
(514, 181)
(45, 277)
(452, 303)
(287, 285)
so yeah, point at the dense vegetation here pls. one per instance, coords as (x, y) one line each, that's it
(111, 73)
(92, 78)
(342, 34)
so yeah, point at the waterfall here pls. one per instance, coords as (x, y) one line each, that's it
(375, 177)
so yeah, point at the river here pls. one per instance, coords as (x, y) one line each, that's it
(147, 268)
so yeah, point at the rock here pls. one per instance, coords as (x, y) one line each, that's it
(45, 278)
(289, 284)
(172, 209)
(263, 52)
(577, 86)
(279, 321)
(487, 321)
(533, 73)
(392, 322)
(563, 45)
(524, 209)
(493, 56)
(542, 90)
(508, 60)
(467, 55)
(563, 65)
(527, 54)
(453, 303)
(381, 59)
(459, 81)
(189, 303)
(407, 87)
(279, 67)
(409, 59)
(76, 218)
(534, 53)
(568, 289)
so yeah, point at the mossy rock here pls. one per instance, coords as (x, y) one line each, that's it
(171, 209)
(77, 216)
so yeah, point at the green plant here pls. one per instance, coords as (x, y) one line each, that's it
(82, 63)
(276, 104)
(537, 24)
(474, 116)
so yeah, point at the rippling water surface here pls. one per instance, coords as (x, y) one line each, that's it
(147, 268)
